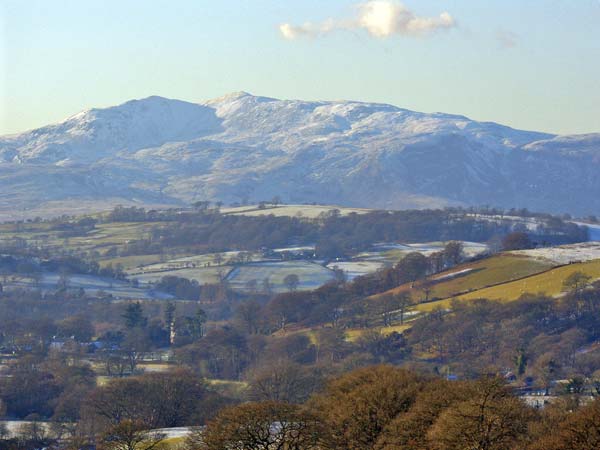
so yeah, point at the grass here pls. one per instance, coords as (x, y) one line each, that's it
(549, 283)
(103, 236)
(171, 443)
(308, 211)
(486, 272)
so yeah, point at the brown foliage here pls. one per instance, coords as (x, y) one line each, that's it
(358, 406)
(259, 426)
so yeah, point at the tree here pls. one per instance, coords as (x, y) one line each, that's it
(357, 407)
(579, 430)
(403, 301)
(282, 381)
(493, 419)
(33, 434)
(134, 315)
(291, 281)
(156, 400)
(576, 282)
(201, 205)
(520, 361)
(390, 304)
(218, 259)
(409, 431)
(4, 433)
(412, 267)
(79, 327)
(453, 252)
(427, 286)
(249, 315)
(266, 287)
(130, 435)
(259, 426)
(170, 320)
(195, 324)
(517, 240)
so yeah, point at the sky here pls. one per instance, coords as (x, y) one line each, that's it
(530, 64)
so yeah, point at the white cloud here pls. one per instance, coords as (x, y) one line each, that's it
(380, 18)
(289, 31)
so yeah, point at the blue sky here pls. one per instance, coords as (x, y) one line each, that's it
(532, 64)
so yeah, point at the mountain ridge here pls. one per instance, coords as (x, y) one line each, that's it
(241, 147)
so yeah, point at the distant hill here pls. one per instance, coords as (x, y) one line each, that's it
(240, 148)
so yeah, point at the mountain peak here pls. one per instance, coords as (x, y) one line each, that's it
(242, 146)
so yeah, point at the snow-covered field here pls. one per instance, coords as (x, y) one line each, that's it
(202, 275)
(91, 284)
(311, 275)
(188, 262)
(427, 248)
(565, 254)
(354, 269)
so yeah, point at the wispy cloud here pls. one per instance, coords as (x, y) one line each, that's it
(507, 39)
(379, 18)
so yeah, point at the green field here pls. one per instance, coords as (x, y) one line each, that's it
(308, 211)
(549, 283)
(102, 237)
(477, 275)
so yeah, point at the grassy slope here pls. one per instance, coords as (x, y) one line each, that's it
(549, 283)
(486, 272)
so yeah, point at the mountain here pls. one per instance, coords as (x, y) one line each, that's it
(241, 147)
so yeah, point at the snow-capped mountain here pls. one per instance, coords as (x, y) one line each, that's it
(242, 147)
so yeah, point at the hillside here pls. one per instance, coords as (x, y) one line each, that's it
(505, 277)
(473, 276)
(241, 148)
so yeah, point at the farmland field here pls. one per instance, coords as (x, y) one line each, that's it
(353, 269)
(477, 275)
(549, 283)
(311, 275)
(202, 275)
(103, 236)
(565, 254)
(91, 284)
(308, 211)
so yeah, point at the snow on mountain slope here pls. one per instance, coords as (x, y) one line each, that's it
(96, 133)
(242, 147)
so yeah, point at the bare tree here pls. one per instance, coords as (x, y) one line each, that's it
(131, 435)
(291, 281)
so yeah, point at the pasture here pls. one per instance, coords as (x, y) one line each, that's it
(310, 274)
(549, 283)
(476, 275)
(91, 284)
(308, 211)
